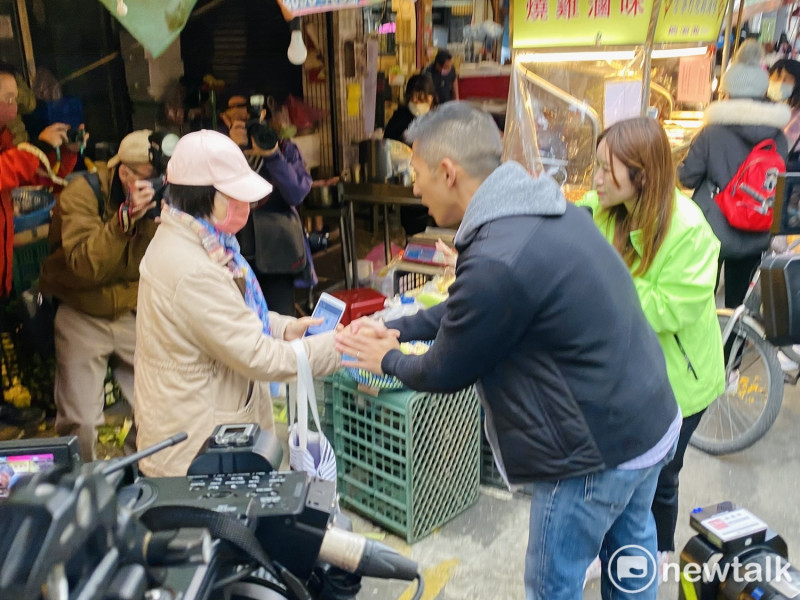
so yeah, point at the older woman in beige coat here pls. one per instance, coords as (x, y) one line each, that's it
(207, 346)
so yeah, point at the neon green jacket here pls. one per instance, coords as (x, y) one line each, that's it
(677, 295)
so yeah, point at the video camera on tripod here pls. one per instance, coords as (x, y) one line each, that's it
(233, 525)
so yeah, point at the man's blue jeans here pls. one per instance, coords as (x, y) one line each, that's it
(574, 520)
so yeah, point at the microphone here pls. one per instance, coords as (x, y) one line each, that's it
(121, 463)
(356, 554)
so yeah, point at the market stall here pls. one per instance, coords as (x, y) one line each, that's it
(581, 66)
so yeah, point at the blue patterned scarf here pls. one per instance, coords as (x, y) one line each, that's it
(223, 248)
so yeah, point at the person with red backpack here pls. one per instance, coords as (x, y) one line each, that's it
(733, 180)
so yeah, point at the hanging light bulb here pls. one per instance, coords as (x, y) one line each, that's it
(122, 8)
(297, 52)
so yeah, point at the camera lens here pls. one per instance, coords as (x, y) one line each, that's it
(74, 135)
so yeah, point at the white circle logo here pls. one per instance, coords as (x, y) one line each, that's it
(632, 569)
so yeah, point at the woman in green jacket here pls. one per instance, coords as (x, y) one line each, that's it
(672, 254)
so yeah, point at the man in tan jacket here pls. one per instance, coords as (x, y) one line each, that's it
(98, 237)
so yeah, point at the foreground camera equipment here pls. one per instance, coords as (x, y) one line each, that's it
(68, 534)
(735, 556)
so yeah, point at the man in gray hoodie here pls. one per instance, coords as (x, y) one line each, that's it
(544, 318)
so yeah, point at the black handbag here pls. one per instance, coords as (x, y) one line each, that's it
(273, 241)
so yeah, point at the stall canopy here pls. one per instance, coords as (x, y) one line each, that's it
(155, 24)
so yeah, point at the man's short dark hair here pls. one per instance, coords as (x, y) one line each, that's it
(195, 200)
(442, 56)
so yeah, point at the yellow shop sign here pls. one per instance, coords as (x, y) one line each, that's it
(558, 23)
(690, 20)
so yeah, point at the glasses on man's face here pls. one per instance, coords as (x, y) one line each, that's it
(242, 105)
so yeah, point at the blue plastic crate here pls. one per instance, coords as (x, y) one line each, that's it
(33, 219)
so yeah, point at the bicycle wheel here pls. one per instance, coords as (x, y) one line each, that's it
(749, 406)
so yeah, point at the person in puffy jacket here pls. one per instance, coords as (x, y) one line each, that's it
(544, 319)
(672, 253)
(732, 127)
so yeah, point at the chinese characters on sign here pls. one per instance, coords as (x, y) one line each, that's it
(580, 22)
(690, 20)
(600, 9)
(566, 9)
(537, 10)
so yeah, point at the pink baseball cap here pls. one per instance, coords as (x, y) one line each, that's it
(208, 157)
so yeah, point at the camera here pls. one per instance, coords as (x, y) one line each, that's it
(222, 531)
(261, 133)
(159, 188)
(74, 135)
(735, 556)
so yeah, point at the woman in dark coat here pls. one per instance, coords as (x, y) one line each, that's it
(732, 127)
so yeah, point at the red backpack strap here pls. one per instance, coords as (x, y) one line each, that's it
(766, 145)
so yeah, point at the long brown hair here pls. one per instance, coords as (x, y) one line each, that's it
(642, 146)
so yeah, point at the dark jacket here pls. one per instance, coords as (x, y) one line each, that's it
(397, 125)
(732, 129)
(291, 183)
(544, 316)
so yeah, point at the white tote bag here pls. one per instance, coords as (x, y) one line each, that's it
(309, 451)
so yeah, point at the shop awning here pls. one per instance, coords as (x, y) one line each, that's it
(155, 24)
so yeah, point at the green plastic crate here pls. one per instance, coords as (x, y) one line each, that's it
(408, 461)
(28, 260)
(490, 474)
(323, 388)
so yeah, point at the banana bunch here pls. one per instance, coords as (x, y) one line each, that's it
(17, 394)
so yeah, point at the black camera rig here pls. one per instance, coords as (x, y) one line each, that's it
(97, 532)
(735, 556)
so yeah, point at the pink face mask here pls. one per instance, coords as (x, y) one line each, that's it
(235, 218)
(7, 112)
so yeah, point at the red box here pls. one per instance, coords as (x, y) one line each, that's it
(360, 302)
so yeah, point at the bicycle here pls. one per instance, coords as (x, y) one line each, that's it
(748, 407)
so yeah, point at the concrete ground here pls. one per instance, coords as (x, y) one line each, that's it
(480, 554)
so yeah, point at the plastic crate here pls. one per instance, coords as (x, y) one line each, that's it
(28, 262)
(33, 219)
(406, 460)
(323, 387)
(409, 275)
(490, 474)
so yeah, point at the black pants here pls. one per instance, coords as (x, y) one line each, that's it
(278, 292)
(738, 272)
(665, 502)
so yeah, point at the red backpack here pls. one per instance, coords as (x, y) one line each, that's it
(747, 199)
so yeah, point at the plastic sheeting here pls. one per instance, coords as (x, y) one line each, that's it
(550, 131)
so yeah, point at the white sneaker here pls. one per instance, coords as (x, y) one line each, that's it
(594, 570)
(733, 383)
(787, 364)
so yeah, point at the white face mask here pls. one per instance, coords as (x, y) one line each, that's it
(779, 91)
(419, 108)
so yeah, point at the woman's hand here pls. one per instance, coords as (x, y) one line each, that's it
(297, 328)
